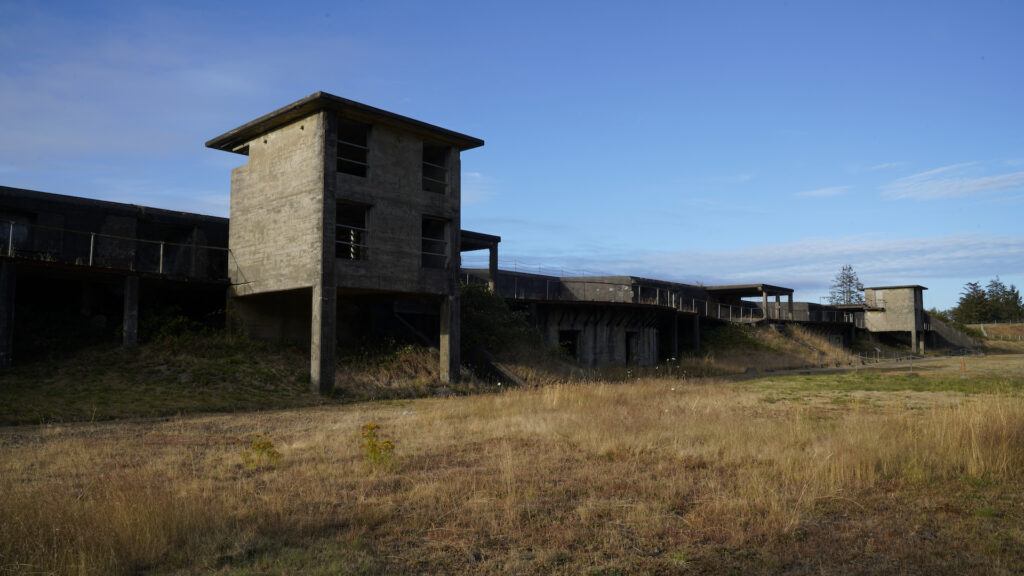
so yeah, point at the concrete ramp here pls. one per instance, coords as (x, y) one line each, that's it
(951, 335)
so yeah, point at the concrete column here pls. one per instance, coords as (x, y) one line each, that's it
(789, 304)
(492, 268)
(322, 339)
(675, 335)
(913, 339)
(696, 332)
(778, 307)
(764, 304)
(130, 331)
(450, 338)
(323, 335)
(8, 281)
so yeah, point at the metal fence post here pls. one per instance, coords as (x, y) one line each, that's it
(10, 237)
(161, 265)
(92, 245)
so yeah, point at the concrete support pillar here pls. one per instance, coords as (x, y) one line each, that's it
(450, 338)
(764, 304)
(322, 339)
(778, 308)
(8, 281)
(130, 329)
(696, 332)
(325, 289)
(675, 335)
(492, 268)
(789, 304)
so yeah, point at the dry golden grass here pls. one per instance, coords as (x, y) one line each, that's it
(1007, 331)
(746, 349)
(651, 476)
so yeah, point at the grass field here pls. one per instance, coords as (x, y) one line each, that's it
(876, 472)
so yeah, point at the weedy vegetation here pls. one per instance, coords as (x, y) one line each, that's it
(872, 473)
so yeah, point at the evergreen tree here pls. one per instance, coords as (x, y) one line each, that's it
(973, 305)
(1004, 303)
(846, 288)
(996, 302)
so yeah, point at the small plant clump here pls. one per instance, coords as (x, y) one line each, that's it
(260, 453)
(377, 451)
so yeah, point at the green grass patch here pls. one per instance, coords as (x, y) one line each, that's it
(873, 381)
(207, 372)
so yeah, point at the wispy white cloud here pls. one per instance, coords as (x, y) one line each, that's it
(477, 188)
(954, 181)
(824, 192)
(884, 166)
(810, 264)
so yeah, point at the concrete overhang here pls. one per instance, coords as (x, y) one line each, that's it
(749, 290)
(895, 287)
(236, 140)
(41, 201)
(477, 241)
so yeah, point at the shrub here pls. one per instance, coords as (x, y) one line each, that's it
(377, 451)
(489, 325)
(260, 453)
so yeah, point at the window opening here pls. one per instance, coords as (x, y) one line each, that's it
(435, 168)
(569, 343)
(434, 246)
(350, 232)
(353, 147)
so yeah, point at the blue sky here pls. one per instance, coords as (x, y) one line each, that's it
(714, 142)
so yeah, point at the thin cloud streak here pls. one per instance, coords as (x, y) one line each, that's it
(810, 264)
(824, 192)
(952, 182)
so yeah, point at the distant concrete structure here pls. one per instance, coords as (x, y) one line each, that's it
(896, 309)
(99, 260)
(340, 198)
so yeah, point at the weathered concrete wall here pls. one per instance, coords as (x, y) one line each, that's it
(600, 289)
(278, 316)
(277, 208)
(901, 309)
(393, 190)
(606, 335)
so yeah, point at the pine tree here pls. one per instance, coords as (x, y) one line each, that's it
(973, 305)
(846, 288)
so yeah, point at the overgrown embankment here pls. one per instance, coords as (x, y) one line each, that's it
(184, 373)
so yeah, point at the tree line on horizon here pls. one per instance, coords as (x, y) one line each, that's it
(996, 302)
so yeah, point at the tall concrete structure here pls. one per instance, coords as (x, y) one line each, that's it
(339, 199)
(897, 309)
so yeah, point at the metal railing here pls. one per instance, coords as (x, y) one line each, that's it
(99, 250)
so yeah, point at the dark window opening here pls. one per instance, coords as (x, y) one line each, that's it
(569, 343)
(435, 168)
(353, 147)
(350, 232)
(434, 246)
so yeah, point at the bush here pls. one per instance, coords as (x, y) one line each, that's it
(489, 325)
(377, 451)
